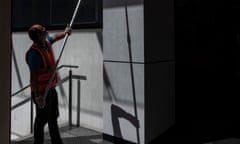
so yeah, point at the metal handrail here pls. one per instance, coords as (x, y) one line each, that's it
(67, 66)
(70, 77)
(78, 77)
(60, 67)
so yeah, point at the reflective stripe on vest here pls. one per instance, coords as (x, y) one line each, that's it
(47, 70)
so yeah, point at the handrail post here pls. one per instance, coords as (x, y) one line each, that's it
(78, 102)
(31, 109)
(70, 99)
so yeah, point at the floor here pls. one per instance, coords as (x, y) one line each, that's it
(74, 135)
(81, 135)
(226, 141)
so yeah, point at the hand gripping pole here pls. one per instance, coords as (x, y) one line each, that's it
(62, 49)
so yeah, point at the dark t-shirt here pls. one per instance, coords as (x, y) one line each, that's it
(34, 58)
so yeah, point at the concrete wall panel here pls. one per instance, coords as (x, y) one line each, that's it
(118, 94)
(116, 21)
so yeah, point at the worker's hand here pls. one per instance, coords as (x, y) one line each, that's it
(68, 30)
(40, 101)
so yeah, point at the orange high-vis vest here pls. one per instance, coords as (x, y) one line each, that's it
(47, 70)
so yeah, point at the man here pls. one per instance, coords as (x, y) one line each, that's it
(41, 62)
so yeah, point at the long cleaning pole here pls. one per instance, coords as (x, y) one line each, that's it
(63, 46)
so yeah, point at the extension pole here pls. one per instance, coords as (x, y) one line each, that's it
(62, 49)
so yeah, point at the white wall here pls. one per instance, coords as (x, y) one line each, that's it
(118, 90)
(83, 49)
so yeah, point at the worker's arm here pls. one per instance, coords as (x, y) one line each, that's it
(35, 85)
(60, 35)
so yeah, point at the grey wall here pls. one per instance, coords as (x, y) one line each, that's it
(118, 84)
(159, 67)
(5, 18)
(159, 98)
(151, 32)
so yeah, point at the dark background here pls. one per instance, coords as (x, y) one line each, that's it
(207, 76)
(207, 53)
(55, 14)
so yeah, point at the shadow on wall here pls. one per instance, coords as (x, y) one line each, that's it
(118, 113)
(111, 96)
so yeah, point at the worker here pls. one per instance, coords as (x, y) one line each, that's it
(41, 62)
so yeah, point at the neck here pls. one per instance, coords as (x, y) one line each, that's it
(42, 43)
